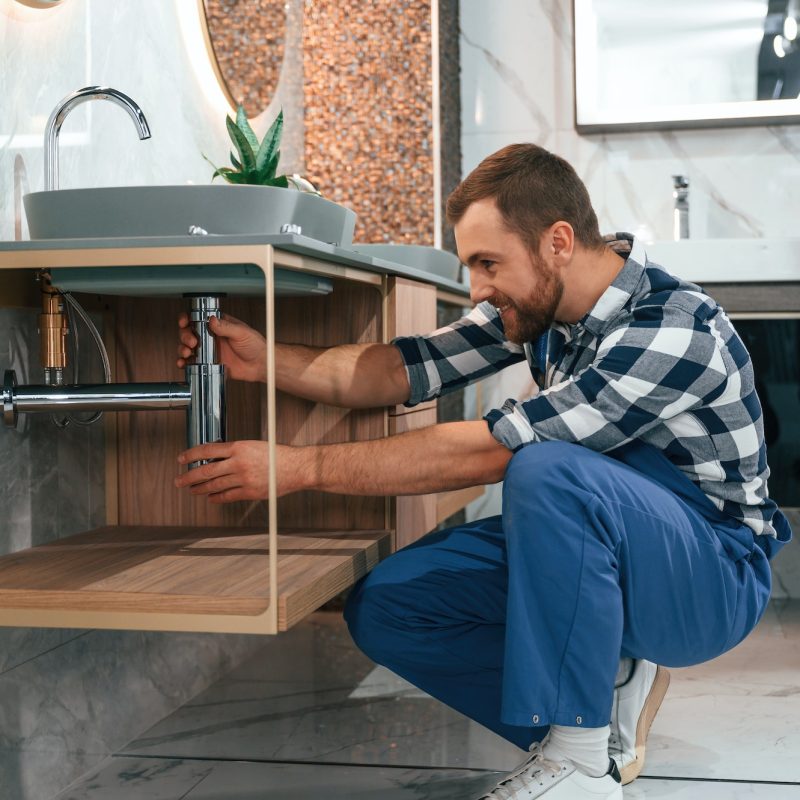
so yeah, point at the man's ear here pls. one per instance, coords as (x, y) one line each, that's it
(562, 238)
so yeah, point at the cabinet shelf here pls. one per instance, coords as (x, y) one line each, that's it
(182, 578)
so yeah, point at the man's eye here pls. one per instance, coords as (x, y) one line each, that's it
(486, 264)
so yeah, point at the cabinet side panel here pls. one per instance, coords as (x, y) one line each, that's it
(351, 314)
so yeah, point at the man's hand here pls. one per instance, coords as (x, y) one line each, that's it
(241, 471)
(241, 349)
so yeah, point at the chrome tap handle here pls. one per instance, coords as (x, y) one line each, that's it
(680, 213)
(60, 112)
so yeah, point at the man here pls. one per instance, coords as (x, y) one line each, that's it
(636, 526)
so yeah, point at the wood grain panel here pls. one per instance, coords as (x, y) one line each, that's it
(410, 310)
(351, 314)
(188, 570)
(448, 503)
(148, 442)
(415, 515)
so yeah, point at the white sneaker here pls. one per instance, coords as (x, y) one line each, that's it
(557, 780)
(635, 705)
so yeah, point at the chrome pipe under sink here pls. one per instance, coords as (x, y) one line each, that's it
(202, 396)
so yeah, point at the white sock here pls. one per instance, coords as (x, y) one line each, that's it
(586, 748)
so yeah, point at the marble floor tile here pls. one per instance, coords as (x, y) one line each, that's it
(122, 778)
(736, 717)
(135, 779)
(649, 789)
(311, 696)
(126, 778)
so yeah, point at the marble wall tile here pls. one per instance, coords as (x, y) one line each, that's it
(517, 84)
(67, 709)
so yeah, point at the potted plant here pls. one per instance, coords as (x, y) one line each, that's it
(257, 162)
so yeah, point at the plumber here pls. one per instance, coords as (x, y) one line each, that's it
(636, 526)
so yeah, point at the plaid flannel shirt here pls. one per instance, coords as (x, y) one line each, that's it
(656, 359)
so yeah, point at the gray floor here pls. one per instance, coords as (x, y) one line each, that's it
(310, 716)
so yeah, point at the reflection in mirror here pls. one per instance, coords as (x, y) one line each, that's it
(680, 63)
(247, 38)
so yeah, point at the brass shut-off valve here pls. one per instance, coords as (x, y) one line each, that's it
(53, 329)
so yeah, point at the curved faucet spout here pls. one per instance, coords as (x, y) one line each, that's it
(61, 111)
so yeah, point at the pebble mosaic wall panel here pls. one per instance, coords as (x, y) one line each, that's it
(368, 113)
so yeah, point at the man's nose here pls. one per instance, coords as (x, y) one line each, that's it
(479, 289)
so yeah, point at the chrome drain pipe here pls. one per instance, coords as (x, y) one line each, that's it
(205, 417)
(202, 396)
(33, 398)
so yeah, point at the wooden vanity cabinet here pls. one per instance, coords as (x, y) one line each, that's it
(170, 561)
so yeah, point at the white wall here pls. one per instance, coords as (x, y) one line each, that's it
(149, 49)
(517, 85)
(516, 58)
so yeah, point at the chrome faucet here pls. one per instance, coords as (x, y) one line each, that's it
(60, 112)
(680, 214)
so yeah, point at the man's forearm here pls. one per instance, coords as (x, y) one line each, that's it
(352, 376)
(443, 457)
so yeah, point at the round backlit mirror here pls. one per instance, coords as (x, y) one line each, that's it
(246, 39)
(39, 3)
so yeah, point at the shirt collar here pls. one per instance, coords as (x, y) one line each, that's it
(622, 288)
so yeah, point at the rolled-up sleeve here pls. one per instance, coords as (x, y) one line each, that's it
(457, 354)
(663, 364)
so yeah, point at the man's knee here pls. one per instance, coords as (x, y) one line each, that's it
(367, 613)
(535, 464)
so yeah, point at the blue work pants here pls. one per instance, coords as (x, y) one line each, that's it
(519, 621)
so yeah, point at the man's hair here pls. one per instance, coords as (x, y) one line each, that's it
(533, 189)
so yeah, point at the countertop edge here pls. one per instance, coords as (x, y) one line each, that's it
(301, 245)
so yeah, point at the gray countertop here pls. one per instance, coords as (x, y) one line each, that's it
(302, 245)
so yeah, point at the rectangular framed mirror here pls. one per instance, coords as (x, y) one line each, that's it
(668, 64)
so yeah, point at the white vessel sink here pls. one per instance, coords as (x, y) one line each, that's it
(729, 260)
(132, 211)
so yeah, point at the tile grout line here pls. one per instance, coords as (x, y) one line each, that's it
(46, 652)
(190, 790)
(718, 780)
(299, 762)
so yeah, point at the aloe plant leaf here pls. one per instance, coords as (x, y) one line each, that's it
(236, 163)
(223, 172)
(281, 181)
(236, 177)
(246, 154)
(271, 142)
(244, 126)
(217, 170)
(267, 171)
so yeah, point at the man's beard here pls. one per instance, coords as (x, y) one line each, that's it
(533, 316)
